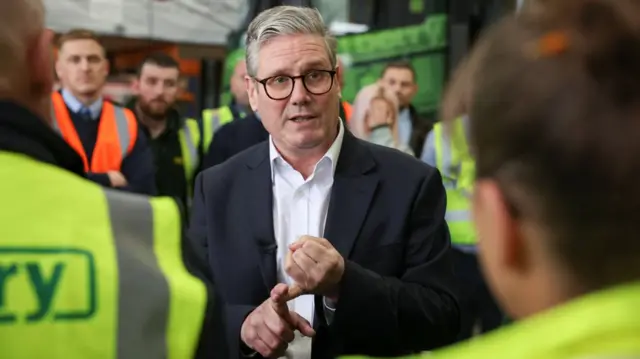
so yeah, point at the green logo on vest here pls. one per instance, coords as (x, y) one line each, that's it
(46, 284)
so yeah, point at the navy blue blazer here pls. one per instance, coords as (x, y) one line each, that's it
(386, 218)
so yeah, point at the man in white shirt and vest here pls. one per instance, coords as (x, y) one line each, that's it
(107, 137)
(357, 228)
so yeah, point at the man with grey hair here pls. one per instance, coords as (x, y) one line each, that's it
(315, 233)
(85, 271)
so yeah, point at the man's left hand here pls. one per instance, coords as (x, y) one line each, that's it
(316, 266)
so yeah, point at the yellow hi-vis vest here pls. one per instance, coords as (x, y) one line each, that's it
(212, 120)
(601, 325)
(189, 136)
(88, 272)
(458, 171)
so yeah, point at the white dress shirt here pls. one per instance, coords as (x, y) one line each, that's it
(75, 105)
(300, 208)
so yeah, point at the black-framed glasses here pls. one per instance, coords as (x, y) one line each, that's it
(316, 82)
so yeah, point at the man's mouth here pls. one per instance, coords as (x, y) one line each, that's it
(300, 119)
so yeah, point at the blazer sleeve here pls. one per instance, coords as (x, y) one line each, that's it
(418, 310)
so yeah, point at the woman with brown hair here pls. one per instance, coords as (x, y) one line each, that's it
(554, 119)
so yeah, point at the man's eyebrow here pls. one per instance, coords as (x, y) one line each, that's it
(315, 65)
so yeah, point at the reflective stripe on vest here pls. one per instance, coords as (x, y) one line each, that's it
(212, 120)
(154, 285)
(117, 134)
(98, 275)
(189, 136)
(458, 214)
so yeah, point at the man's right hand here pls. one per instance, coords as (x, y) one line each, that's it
(270, 327)
(117, 179)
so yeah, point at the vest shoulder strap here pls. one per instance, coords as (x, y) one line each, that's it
(155, 283)
(191, 125)
(127, 127)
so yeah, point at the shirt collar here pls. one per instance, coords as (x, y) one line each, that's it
(332, 154)
(75, 105)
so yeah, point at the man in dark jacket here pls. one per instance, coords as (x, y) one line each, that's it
(233, 138)
(173, 139)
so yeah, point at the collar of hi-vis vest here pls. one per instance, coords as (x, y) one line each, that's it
(604, 322)
(75, 105)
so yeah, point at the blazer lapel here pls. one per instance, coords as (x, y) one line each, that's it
(354, 186)
(259, 209)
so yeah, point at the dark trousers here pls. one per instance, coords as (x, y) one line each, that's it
(478, 309)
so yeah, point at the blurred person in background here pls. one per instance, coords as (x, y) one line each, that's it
(399, 78)
(174, 140)
(85, 271)
(239, 108)
(378, 115)
(107, 137)
(446, 149)
(345, 107)
(233, 138)
(556, 197)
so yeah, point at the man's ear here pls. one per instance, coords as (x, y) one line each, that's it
(499, 232)
(135, 86)
(40, 66)
(107, 67)
(40, 58)
(252, 91)
(57, 61)
(338, 78)
(414, 90)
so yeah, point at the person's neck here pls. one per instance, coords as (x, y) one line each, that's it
(243, 108)
(548, 288)
(38, 106)
(87, 99)
(304, 160)
(155, 126)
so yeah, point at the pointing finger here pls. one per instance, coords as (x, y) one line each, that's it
(302, 325)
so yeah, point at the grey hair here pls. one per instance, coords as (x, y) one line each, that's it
(286, 20)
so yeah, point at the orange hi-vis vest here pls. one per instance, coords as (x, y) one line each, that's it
(117, 133)
(348, 110)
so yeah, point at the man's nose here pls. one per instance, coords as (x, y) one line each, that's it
(300, 95)
(84, 65)
(158, 90)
